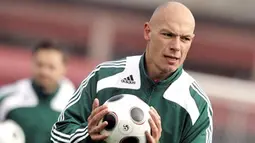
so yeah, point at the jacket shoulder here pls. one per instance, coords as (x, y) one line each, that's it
(110, 68)
(15, 87)
(186, 93)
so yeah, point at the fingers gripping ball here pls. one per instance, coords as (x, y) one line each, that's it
(127, 119)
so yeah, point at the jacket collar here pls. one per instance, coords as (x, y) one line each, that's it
(144, 76)
(40, 91)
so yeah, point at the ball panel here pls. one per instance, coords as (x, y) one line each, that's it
(111, 118)
(130, 140)
(137, 114)
(115, 98)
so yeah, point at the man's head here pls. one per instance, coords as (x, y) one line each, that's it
(169, 35)
(48, 64)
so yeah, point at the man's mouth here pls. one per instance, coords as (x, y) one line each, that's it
(171, 57)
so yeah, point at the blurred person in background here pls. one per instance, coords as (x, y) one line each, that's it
(35, 103)
(181, 112)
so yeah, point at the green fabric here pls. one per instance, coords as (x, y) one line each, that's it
(37, 121)
(176, 122)
(197, 132)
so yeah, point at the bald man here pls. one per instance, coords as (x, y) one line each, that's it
(180, 110)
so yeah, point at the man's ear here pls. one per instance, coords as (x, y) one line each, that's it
(193, 36)
(147, 31)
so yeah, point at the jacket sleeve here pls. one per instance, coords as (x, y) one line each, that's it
(71, 126)
(7, 90)
(202, 130)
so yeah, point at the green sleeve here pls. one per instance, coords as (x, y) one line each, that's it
(72, 123)
(201, 131)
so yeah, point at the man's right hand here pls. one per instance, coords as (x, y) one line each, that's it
(94, 127)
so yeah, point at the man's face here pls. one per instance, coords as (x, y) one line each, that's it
(48, 67)
(169, 42)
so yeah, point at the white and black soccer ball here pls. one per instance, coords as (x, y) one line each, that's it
(127, 119)
(11, 132)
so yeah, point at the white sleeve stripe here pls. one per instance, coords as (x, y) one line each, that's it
(58, 138)
(202, 93)
(210, 127)
(78, 136)
(199, 90)
(84, 84)
(76, 97)
(112, 63)
(207, 136)
(54, 140)
(75, 136)
(89, 76)
(209, 130)
(78, 131)
(82, 138)
(203, 96)
(60, 133)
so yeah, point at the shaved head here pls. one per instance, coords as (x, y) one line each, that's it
(169, 35)
(172, 12)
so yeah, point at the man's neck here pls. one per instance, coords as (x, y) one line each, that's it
(46, 90)
(153, 71)
(51, 89)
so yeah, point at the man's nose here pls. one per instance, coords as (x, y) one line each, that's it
(175, 44)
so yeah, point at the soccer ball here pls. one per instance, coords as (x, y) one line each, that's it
(127, 119)
(11, 132)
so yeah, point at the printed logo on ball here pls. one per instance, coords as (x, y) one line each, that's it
(125, 128)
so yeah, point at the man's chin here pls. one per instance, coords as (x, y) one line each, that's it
(170, 69)
(47, 84)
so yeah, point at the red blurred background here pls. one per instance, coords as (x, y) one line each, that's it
(94, 31)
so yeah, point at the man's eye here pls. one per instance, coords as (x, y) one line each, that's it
(186, 38)
(168, 34)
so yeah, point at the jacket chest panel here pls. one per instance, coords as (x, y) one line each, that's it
(33, 118)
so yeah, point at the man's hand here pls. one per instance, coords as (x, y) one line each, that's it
(94, 128)
(155, 123)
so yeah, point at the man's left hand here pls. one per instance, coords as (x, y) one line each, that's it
(155, 123)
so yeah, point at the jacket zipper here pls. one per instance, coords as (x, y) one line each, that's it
(153, 87)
